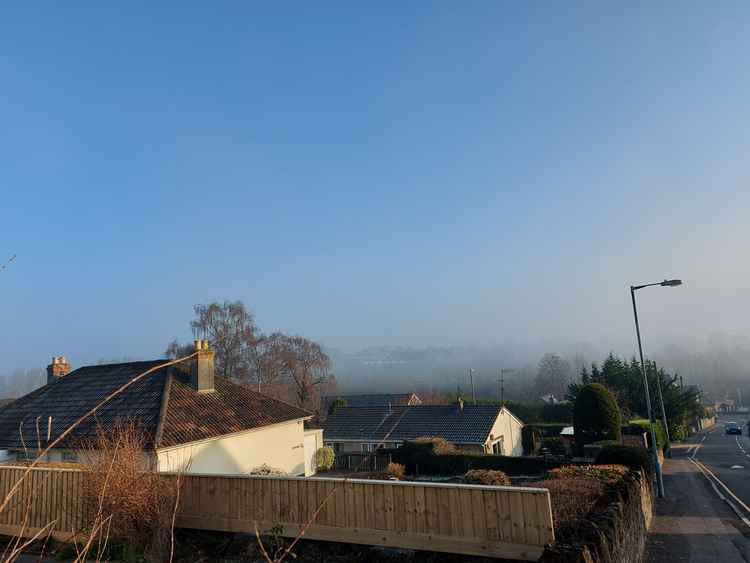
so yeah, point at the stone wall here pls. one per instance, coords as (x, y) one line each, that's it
(616, 532)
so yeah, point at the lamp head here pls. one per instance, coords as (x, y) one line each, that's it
(671, 283)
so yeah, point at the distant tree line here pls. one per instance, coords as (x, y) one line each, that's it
(625, 380)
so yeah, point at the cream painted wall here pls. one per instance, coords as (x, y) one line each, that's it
(509, 428)
(280, 445)
(313, 442)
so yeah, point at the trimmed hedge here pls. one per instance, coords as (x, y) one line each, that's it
(638, 426)
(624, 455)
(596, 415)
(420, 459)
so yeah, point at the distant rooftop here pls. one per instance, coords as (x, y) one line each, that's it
(375, 400)
(470, 425)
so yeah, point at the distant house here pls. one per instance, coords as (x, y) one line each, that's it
(374, 400)
(191, 419)
(480, 428)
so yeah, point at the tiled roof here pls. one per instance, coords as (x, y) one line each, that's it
(192, 416)
(471, 425)
(373, 400)
(188, 415)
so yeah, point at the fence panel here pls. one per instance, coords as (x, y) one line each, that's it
(512, 522)
(47, 499)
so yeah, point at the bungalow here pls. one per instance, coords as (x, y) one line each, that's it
(190, 418)
(480, 428)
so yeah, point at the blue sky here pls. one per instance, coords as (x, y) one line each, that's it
(407, 173)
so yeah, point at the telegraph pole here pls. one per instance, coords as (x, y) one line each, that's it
(501, 383)
(473, 394)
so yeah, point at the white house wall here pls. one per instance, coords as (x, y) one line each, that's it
(280, 446)
(510, 428)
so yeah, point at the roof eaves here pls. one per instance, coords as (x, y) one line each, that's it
(512, 415)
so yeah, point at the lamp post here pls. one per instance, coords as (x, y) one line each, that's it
(657, 465)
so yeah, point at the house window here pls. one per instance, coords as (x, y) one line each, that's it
(365, 448)
(497, 447)
(336, 447)
(70, 456)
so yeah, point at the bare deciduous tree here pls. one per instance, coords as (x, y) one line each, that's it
(299, 362)
(289, 367)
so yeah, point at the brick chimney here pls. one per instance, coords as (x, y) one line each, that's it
(202, 368)
(57, 369)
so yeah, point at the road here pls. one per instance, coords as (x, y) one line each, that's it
(706, 515)
(727, 457)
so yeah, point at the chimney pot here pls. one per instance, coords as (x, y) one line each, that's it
(57, 369)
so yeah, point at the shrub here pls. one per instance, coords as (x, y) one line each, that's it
(266, 469)
(440, 446)
(486, 477)
(596, 415)
(419, 459)
(625, 455)
(324, 458)
(638, 426)
(396, 470)
(601, 473)
(127, 501)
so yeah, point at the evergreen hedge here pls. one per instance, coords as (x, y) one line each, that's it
(596, 415)
(420, 459)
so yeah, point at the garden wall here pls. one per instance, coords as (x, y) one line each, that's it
(616, 532)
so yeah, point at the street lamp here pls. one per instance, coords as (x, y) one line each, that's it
(657, 466)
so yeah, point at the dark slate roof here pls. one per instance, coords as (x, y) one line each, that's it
(187, 415)
(373, 400)
(471, 425)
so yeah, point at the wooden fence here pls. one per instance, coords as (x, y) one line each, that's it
(362, 461)
(47, 498)
(512, 522)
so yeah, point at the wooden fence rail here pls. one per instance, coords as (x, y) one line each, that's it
(512, 522)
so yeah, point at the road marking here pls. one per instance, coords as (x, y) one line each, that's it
(706, 472)
(695, 451)
(737, 467)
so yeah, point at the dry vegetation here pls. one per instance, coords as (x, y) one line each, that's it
(440, 446)
(575, 490)
(396, 470)
(129, 502)
(486, 477)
